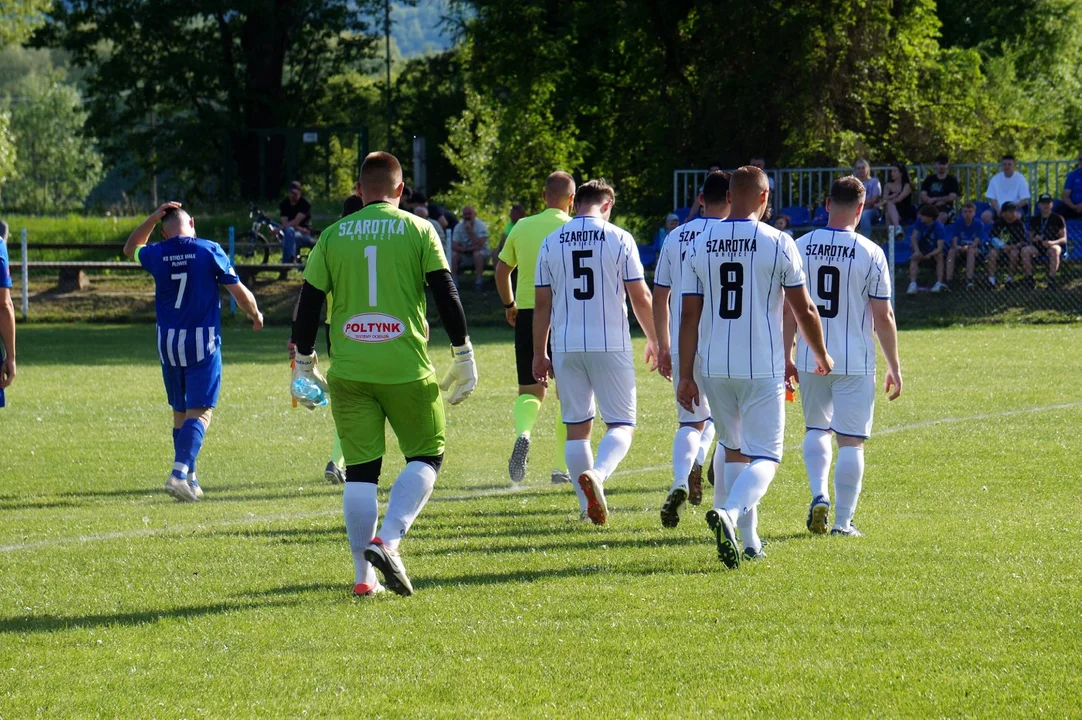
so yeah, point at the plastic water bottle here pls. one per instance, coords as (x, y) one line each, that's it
(308, 391)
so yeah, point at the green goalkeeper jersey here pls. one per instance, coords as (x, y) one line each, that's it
(375, 262)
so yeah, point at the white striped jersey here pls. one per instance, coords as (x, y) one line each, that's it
(845, 270)
(187, 272)
(586, 263)
(670, 269)
(740, 267)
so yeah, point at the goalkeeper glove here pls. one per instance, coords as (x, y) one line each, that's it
(305, 368)
(461, 378)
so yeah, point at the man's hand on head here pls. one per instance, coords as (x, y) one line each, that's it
(165, 208)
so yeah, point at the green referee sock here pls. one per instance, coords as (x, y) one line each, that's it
(561, 443)
(526, 408)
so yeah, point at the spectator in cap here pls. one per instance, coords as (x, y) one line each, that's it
(1072, 193)
(940, 190)
(7, 317)
(1047, 241)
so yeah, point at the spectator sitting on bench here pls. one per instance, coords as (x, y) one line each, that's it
(872, 192)
(1047, 241)
(296, 227)
(967, 234)
(469, 240)
(898, 198)
(1007, 237)
(1006, 186)
(783, 223)
(1072, 193)
(941, 190)
(927, 239)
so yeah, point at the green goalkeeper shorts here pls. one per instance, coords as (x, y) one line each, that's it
(414, 409)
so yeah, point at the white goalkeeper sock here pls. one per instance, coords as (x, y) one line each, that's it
(410, 492)
(817, 457)
(848, 477)
(684, 446)
(361, 513)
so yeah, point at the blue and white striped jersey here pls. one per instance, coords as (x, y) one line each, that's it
(845, 270)
(670, 269)
(586, 263)
(187, 272)
(741, 268)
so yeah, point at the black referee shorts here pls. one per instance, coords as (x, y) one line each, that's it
(524, 347)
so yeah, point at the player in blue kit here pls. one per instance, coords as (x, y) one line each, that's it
(7, 317)
(187, 272)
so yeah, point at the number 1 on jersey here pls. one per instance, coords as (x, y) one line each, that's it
(370, 256)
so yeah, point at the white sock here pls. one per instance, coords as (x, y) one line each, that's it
(706, 439)
(721, 490)
(747, 523)
(848, 475)
(817, 458)
(749, 487)
(361, 512)
(410, 492)
(612, 449)
(580, 458)
(684, 446)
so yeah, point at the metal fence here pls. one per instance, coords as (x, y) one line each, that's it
(807, 187)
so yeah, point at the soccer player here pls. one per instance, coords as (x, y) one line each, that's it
(696, 431)
(585, 271)
(187, 271)
(7, 317)
(377, 263)
(848, 277)
(739, 274)
(520, 250)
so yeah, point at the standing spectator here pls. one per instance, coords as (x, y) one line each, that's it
(1047, 239)
(940, 190)
(296, 227)
(872, 192)
(421, 211)
(1007, 237)
(470, 240)
(517, 213)
(696, 207)
(966, 236)
(897, 200)
(1006, 186)
(7, 317)
(1072, 193)
(927, 238)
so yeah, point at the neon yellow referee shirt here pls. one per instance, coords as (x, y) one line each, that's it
(522, 247)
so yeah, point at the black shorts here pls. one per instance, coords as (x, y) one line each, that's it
(524, 347)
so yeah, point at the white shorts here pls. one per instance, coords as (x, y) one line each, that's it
(749, 415)
(841, 403)
(702, 412)
(610, 376)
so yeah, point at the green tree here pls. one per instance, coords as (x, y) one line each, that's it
(8, 153)
(19, 19)
(56, 165)
(181, 85)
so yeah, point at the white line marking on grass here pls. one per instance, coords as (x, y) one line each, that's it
(464, 497)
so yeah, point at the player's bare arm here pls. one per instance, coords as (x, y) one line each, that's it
(141, 235)
(7, 337)
(661, 327)
(246, 302)
(642, 304)
(811, 329)
(788, 329)
(887, 332)
(542, 321)
(507, 295)
(687, 393)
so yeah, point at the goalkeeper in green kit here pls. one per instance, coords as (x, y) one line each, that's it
(377, 262)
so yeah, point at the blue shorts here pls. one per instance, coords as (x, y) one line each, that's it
(195, 386)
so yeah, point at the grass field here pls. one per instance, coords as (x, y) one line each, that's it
(962, 600)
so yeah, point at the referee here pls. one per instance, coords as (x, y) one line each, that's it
(520, 250)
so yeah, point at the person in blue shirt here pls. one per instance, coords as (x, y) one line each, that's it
(1072, 193)
(967, 236)
(187, 272)
(927, 238)
(7, 317)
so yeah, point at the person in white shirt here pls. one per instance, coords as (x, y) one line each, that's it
(848, 277)
(1006, 186)
(696, 432)
(586, 271)
(741, 274)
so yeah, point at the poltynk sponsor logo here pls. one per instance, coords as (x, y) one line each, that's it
(373, 328)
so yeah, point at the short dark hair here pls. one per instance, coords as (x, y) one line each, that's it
(418, 197)
(1008, 156)
(717, 164)
(352, 205)
(716, 188)
(593, 192)
(381, 172)
(941, 159)
(847, 191)
(929, 211)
